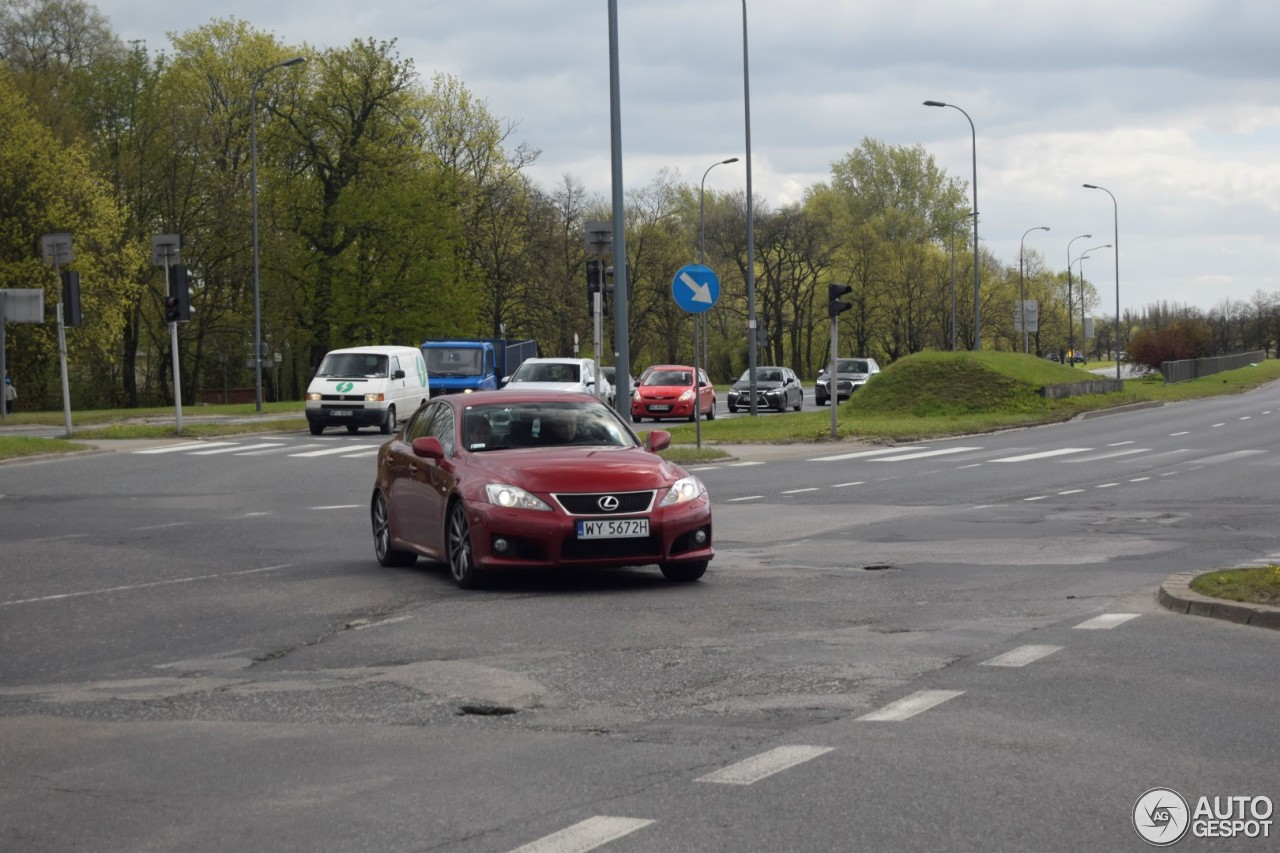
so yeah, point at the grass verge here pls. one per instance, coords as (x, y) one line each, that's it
(1251, 586)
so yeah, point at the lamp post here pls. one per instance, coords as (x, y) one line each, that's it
(953, 278)
(1071, 333)
(751, 228)
(977, 282)
(701, 318)
(1115, 240)
(1081, 259)
(1022, 286)
(253, 189)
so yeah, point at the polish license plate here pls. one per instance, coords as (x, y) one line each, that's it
(340, 413)
(660, 408)
(613, 528)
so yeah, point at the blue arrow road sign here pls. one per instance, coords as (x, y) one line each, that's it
(695, 288)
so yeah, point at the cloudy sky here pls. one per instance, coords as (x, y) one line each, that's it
(1172, 105)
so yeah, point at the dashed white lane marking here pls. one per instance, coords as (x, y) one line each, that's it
(1184, 432)
(1215, 426)
(1247, 417)
(1036, 498)
(744, 464)
(1105, 485)
(144, 585)
(862, 454)
(1044, 454)
(587, 835)
(747, 498)
(361, 454)
(1119, 443)
(1226, 457)
(1139, 479)
(1106, 621)
(278, 449)
(847, 485)
(165, 525)
(752, 770)
(1022, 655)
(178, 448)
(922, 454)
(1071, 492)
(1117, 453)
(798, 491)
(909, 706)
(237, 447)
(337, 506)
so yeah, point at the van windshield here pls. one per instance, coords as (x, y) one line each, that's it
(455, 361)
(351, 365)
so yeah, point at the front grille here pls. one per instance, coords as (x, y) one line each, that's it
(589, 504)
(342, 398)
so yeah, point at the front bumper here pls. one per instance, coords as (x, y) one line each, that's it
(346, 414)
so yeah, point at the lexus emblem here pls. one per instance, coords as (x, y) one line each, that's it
(608, 503)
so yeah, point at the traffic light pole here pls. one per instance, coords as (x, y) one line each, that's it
(173, 346)
(833, 388)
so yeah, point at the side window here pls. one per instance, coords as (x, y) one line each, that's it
(442, 428)
(420, 423)
(395, 365)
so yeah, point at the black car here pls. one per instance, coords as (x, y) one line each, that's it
(776, 388)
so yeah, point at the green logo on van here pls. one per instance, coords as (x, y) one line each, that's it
(344, 387)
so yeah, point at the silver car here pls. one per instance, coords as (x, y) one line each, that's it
(851, 374)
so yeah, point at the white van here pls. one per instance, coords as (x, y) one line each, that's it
(366, 386)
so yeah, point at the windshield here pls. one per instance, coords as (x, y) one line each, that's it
(350, 365)
(459, 361)
(669, 377)
(853, 365)
(547, 371)
(543, 424)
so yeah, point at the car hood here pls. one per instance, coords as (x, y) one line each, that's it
(745, 385)
(662, 390)
(577, 469)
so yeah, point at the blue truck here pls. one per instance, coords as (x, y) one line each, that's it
(458, 365)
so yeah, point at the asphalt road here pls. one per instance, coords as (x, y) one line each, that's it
(894, 649)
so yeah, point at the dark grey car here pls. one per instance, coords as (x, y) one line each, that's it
(851, 374)
(776, 388)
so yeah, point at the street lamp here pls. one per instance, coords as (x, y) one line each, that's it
(1081, 259)
(1115, 210)
(751, 228)
(1022, 287)
(977, 282)
(1071, 332)
(701, 318)
(253, 189)
(953, 278)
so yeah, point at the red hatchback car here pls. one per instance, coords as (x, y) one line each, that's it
(668, 391)
(516, 479)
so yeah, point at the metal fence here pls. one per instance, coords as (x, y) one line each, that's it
(1191, 368)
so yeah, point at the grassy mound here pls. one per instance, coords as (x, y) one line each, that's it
(958, 384)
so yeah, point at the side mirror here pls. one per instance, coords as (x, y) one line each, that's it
(657, 439)
(428, 447)
(399, 374)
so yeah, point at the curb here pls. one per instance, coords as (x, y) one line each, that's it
(1176, 594)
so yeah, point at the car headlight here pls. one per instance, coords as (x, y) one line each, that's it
(683, 491)
(635, 395)
(513, 497)
(313, 396)
(686, 396)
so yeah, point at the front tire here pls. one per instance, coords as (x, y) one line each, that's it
(316, 429)
(684, 572)
(387, 555)
(388, 424)
(462, 563)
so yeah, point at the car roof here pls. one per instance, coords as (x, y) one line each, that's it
(511, 395)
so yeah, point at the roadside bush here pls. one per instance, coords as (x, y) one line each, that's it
(1180, 340)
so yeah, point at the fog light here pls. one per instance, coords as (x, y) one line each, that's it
(700, 536)
(501, 546)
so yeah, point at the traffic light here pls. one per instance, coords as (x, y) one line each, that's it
(177, 307)
(71, 315)
(834, 305)
(595, 284)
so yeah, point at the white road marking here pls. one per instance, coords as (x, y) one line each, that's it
(909, 706)
(747, 498)
(1106, 621)
(921, 454)
(178, 448)
(361, 454)
(1036, 498)
(1071, 492)
(278, 449)
(1215, 426)
(233, 449)
(1226, 457)
(1113, 455)
(846, 485)
(744, 464)
(1184, 432)
(798, 491)
(1119, 443)
(587, 835)
(752, 770)
(332, 451)
(1106, 485)
(144, 585)
(861, 454)
(338, 506)
(1139, 479)
(1022, 655)
(1246, 417)
(1044, 454)
(165, 525)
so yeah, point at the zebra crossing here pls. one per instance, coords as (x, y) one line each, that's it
(308, 450)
